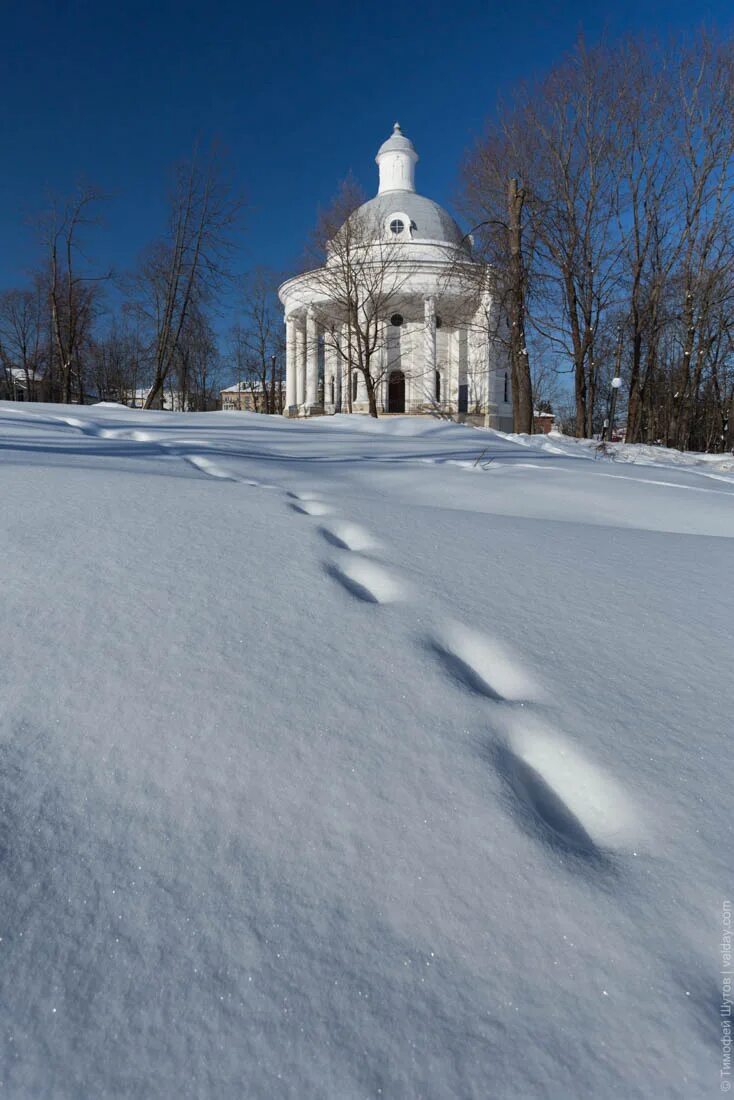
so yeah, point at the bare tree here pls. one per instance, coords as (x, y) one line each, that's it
(494, 196)
(645, 176)
(190, 384)
(542, 177)
(118, 362)
(705, 148)
(359, 278)
(257, 342)
(72, 291)
(182, 270)
(21, 338)
(674, 209)
(623, 235)
(575, 123)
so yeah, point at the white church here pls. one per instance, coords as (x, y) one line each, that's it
(401, 293)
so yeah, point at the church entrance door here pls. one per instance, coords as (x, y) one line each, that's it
(396, 392)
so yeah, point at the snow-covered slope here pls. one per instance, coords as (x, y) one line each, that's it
(335, 763)
(636, 453)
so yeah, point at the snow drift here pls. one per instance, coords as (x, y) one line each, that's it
(336, 763)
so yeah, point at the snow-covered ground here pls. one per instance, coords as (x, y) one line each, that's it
(637, 453)
(335, 763)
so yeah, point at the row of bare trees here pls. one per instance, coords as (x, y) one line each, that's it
(257, 344)
(146, 337)
(603, 194)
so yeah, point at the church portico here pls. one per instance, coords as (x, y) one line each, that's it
(403, 305)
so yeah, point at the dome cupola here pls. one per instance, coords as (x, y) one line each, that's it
(396, 159)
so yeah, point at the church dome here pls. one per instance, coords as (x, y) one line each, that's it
(429, 221)
(397, 208)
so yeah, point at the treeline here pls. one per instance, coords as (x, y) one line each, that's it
(75, 333)
(604, 196)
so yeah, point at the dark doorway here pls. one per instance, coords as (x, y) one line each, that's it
(396, 392)
(463, 399)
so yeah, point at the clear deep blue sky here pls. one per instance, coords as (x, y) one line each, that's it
(298, 93)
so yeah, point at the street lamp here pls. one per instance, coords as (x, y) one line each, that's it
(616, 383)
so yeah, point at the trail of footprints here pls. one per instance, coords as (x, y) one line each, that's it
(563, 797)
(362, 577)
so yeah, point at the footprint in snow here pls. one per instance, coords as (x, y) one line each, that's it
(311, 507)
(133, 434)
(573, 802)
(348, 536)
(82, 425)
(200, 462)
(482, 664)
(366, 580)
(306, 494)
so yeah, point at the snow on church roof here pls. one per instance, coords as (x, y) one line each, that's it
(431, 222)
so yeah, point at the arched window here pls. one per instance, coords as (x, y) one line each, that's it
(438, 387)
(354, 386)
(507, 387)
(332, 391)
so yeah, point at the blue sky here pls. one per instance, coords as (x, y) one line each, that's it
(299, 94)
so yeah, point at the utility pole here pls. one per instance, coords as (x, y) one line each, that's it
(616, 383)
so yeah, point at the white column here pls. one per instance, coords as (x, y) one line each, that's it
(290, 367)
(338, 374)
(478, 364)
(347, 400)
(300, 364)
(429, 350)
(452, 371)
(361, 388)
(462, 375)
(312, 360)
(329, 370)
(381, 368)
(490, 407)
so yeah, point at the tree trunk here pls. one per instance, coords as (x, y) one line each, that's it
(579, 357)
(632, 434)
(682, 379)
(154, 391)
(522, 390)
(371, 396)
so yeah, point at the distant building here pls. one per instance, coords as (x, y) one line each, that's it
(169, 401)
(248, 396)
(18, 385)
(543, 422)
